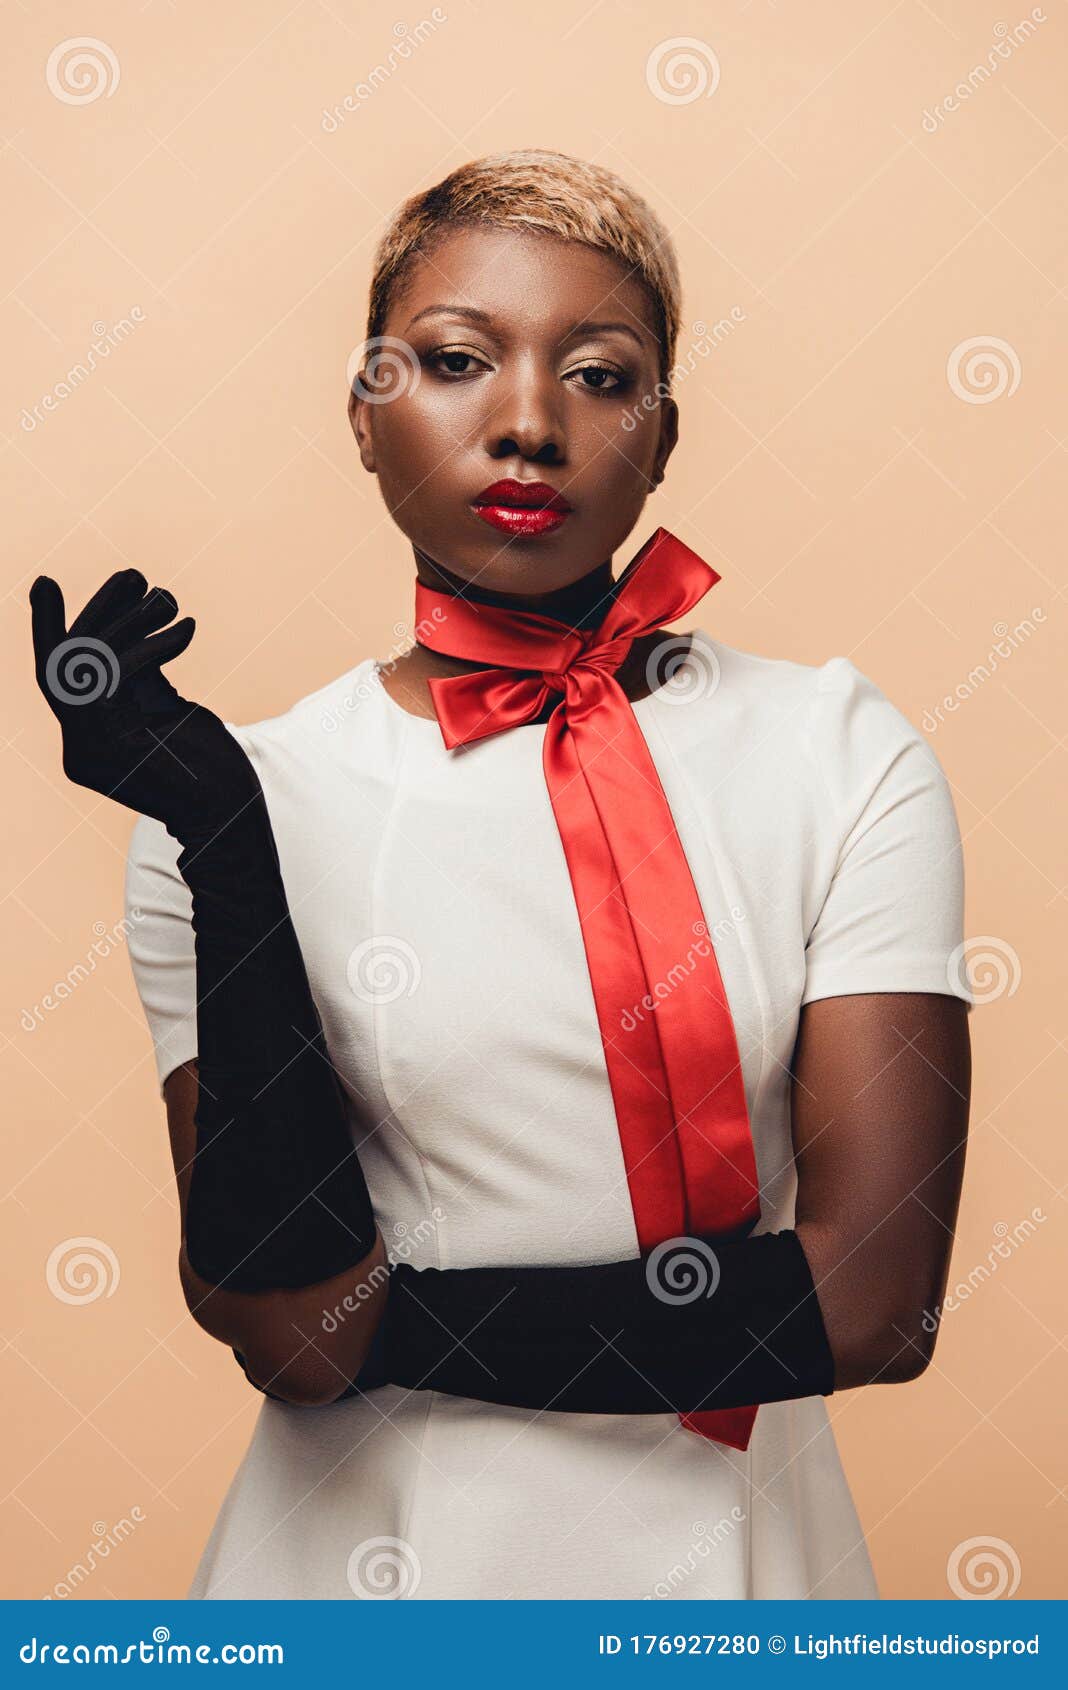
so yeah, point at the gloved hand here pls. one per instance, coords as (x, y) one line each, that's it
(277, 1197)
(127, 733)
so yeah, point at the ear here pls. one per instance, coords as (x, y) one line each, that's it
(669, 434)
(360, 423)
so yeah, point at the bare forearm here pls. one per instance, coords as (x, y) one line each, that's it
(302, 1345)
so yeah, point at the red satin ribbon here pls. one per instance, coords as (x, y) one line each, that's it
(675, 1072)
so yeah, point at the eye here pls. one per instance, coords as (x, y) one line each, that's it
(454, 362)
(597, 378)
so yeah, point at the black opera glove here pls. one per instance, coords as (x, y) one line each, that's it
(698, 1323)
(277, 1198)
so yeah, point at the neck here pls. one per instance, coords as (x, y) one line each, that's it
(581, 604)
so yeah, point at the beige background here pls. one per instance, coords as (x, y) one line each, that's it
(856, 499)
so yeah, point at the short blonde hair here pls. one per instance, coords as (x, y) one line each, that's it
(534, 189)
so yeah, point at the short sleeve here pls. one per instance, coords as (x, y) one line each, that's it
(891, 918)
(161, 943)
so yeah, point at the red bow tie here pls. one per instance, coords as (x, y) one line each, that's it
(675, 1076)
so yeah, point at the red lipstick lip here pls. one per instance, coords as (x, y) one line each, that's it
(522, 496)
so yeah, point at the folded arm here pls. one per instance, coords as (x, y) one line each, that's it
(880, 1089)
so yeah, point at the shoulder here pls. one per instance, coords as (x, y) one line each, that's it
(309, 728)
(830, 720)
(313, 722)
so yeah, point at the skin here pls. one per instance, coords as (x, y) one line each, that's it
(880, 1082)
(536, 387)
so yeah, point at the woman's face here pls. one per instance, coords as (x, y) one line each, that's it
(530, 357)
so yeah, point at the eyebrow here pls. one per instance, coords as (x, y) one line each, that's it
(474, 315)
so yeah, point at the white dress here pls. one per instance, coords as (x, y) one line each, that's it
(431, 897)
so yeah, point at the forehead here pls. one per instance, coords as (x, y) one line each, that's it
(524, 275)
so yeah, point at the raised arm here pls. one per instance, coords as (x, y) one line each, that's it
(880, 1105)
(274, 1204)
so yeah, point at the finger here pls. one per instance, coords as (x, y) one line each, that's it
(147, 615)
(123, 588)
(48, 616)
(161, 648)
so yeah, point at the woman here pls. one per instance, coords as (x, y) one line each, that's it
(623, 959)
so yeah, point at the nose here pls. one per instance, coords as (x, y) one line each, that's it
(527, 419)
